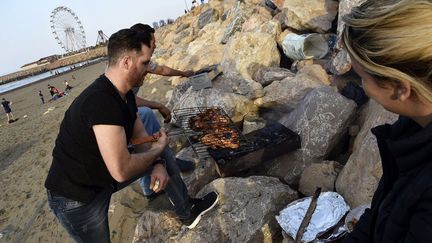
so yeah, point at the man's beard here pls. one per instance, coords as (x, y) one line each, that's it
(140, 82)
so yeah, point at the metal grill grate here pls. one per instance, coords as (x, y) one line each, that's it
(212, 118)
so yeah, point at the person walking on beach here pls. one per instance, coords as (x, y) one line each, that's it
(41, 97)
(6, 107)
(68, 87)
(91, 160)
(147, 116)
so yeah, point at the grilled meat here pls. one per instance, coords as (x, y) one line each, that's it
(209, 119)
(222, 137)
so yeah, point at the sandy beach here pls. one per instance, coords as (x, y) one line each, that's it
(25, 157)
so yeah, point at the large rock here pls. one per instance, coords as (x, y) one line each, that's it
(210, 34)
(204, 173)
(319, 175)
(256, 20)
(345, 7)
(277, 3)
(284, 95)
(320, 119)
(272, 28)
(266, 75)
(177, 94)
(341, 62)
(196, 57)
(184, 36)
(359, 178)
(206, 17)
(182, 27)
(236, 106)
(310, 15)
(262, 23)
(252, 123)
(157, 227)
(282, 36)
(203, 51)
(246, 52)
(245, 213)
(236, 17)
(238, 85)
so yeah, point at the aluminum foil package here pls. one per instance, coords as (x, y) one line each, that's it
(331, 207)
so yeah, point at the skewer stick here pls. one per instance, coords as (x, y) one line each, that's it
(306, 220)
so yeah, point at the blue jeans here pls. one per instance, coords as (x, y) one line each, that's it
(176, 189)
(85, 222)
(88, 222)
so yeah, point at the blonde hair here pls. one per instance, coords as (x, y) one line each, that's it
(392, 41)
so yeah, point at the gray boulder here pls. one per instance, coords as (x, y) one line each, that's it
(284, 95)
(204, 172)
(237, 16)
(236, 106)
(341, 62)
(181, 36)
(359, 178)
(238, 85)
(206, 17)
(319, 175)
(266, 75)
(310, 15)
(320, 119)
(252, 123)
(247, 52)
(182, 27)
(245, 213)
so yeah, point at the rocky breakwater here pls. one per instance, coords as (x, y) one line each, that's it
(259, 84)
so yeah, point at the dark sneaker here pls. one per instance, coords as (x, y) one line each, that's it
(185, 165)
(154, 195)
(199, 208)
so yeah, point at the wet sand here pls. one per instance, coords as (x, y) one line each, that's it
(25, 157)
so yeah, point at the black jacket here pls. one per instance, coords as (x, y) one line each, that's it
(401, 209)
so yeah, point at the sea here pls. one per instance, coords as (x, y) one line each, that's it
(31, 79)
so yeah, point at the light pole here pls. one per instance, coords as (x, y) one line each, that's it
(187, 8)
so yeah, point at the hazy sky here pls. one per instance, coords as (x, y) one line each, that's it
(25, 34)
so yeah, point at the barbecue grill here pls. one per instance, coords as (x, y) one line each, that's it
(183, 118)
(253, 148)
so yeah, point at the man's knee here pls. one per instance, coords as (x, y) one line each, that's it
(149, 119)
(145, 113)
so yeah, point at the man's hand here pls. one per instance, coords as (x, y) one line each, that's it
(166, 113)
(163, 139)
(158, 178)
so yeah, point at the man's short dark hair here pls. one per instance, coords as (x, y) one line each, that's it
(143, 28)
(126, 40)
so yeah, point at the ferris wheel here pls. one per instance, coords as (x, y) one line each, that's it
(67, 29)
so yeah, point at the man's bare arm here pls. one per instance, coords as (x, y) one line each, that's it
(150, 104)
(166, 113)
(167, 71)
(159, 172)
(122, 165)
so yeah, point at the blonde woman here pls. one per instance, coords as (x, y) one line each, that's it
(390, 44)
